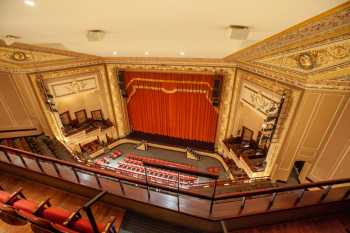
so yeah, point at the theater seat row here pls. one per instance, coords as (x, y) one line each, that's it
(154, 175)
(15, 209)
(161, 162)
(156, 172)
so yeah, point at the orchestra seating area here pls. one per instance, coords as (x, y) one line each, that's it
(44, 215)
(83, 122)
(133, 165)
(161, 162)
(40, 144)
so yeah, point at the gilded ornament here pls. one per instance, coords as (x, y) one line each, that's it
(306, 61)
(339, 52)
(20, 56)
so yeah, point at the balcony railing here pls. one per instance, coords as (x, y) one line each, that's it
(200, 200)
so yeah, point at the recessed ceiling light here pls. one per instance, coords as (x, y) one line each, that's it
(182, 53)
(115, 53)
(146, 53)
(29, 2)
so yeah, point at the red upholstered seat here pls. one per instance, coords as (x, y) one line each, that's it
(56, 214)
(25, 205)
(83, 225)
(4, 196)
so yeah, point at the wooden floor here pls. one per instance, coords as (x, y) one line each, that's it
(38, 192)
(339, 223)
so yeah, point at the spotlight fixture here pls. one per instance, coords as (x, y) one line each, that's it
(29, 3)
(238, 32)
(95, 35)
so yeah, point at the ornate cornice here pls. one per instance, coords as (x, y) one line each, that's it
(314, 54)
(324, 28)
(203, 62)
(24, 58)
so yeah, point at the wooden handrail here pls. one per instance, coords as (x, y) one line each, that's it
(181, 191)
(282, 189)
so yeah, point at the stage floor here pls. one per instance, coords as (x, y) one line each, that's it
(168, 155)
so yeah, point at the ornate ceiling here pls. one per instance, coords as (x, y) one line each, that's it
(315, 53)
(312, 54)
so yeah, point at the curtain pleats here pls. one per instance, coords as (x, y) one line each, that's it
(172, 104)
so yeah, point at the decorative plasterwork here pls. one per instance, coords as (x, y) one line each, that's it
(314, 54)
(24, 56)
(312, 61)
(28, 58)
(258, 100)
(74, 86)
(324, 28)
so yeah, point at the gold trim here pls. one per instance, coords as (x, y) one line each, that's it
(167, 81)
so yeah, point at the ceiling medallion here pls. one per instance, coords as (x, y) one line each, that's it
(306, 61)
(339, 52)
(20, 56)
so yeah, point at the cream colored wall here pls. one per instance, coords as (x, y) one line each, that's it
(310, 129)
(89, 101)
(17, 110)
(333, 161)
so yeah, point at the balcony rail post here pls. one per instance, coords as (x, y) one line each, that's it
(8, 157)
(243, 202)
(212, 198)
(56, 169)
(121, 187)
(76, 175)
(91, 219)
(300, 197)
(223, 226)
(146, 177)
(325, 193)
(22, 160)
(274, 195)
(39, 165)
(98, 181)
(178, 191)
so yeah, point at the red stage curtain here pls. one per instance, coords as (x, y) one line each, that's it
(172, 104)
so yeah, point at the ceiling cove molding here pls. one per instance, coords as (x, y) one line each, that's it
(324, 28)
(312, 61)
(169, 61)
(24, 58)
(340, 80)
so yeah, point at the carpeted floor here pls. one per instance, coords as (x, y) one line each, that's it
(168, 155)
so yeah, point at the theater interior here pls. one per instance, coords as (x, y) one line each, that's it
(174, 116)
